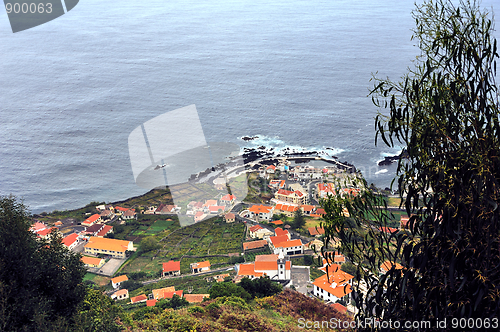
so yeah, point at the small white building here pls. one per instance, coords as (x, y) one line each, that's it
(334, 285)
(121, 294)
(276, 267)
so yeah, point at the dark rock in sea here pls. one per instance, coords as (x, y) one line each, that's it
(390, 159)
(248, 138)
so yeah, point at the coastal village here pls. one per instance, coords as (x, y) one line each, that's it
(140, 255)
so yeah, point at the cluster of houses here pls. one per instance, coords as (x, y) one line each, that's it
(155, 295)
(211, 207)
(93, 235)
(170, 269)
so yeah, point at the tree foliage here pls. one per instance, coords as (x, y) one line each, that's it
(298, 219)
(40, 280)
(445, 113)
(260, 287)
(221, 289)
(148, 243)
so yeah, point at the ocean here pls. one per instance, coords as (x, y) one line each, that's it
(295, 73)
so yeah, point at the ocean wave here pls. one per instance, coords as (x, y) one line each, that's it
(277, 145)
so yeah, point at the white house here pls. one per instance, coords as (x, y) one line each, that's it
(334, 285)
(261, 212)
(276, 267)
(121, 294)
(116, 282)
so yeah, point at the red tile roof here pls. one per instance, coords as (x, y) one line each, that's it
(70, 239)
(93, 218)
(269, 263)
(276, 240)
(316, 230)
(339, 307)
(285, 207)
(216, 208)
(119, 208)
(151, 303)
(200, 265)
(308, 207)
(196, 298)
(290, 243)
(277, 222)
(389, 230)
(255, 228)
(105, 230)
(249, 270)
(254, 244)
(119, 279)
(260, 209)
(171, 266)
(387, 265)
(228, 197)
(140, 298)
(46, 231)
(279, 231)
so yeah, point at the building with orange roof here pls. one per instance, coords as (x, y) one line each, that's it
(37, 227)
(277, 184)
(276, 267)
(151, 303)
(105, 230)
(294, 197)
(259, 232)
(199, 216)
(333, 286)
(116, 282)
(200, 267)
(248, 270)
(308, 209)
(171, 268)
(277, 222)
(229, 217)
(111, 247)
(274, 241)
(71, 240)
(254, 245)
(44, 234)
(196, 298)
(214, 209)
(325, 189)
(93, 219)
(159, 293)
(121, 294)
(389, 230)
(228, 199)
(261, 212)
(210, 202)
(270, 169)
(290, 247)
(139, 298)
(387, 265)
(339, 307)
(120, 209)
(316, 231)
(287, 210)
(93, 261)
(279, 231)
